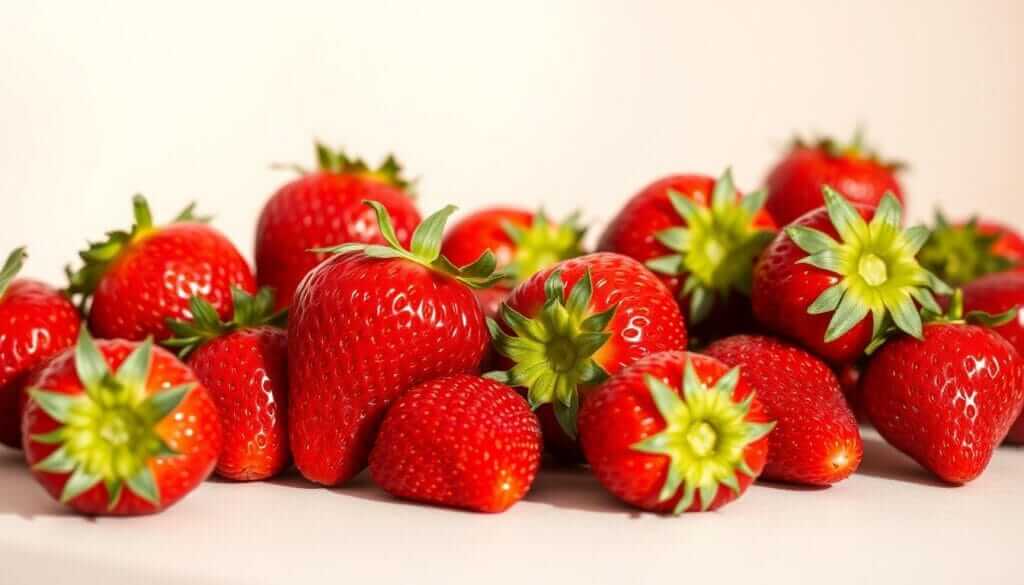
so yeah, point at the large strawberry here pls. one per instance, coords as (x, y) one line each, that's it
(675, 432)
(36, 323)
(119, 428)
(794, 185)
(325, 208)
(701, 237)
(138, 279)
(816, 440)
(367, 324)
(570, 326)
(961, 253)
(460, 441)
(833, 281)
(243, 364)
(948, 399)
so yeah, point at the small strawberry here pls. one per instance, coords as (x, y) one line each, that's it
(243, 364)
(701, 237)
(325, 208)
(795, 184)
(138, 279)
(36, 323)
(460, 441)
(570, 326)
(816, 440)
(949, 398)
(961, 253)
(119, 428)
(366, 325)
(675, 432)
(833, 281)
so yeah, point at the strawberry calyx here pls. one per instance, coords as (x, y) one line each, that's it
(424, 249)
(554, 351)
(705, 437)
(12, 266)
(543, 244)
(961, 253)
(856, 148)
(717, 247)
(206, 325)
(108, 433)
(389, 172)
(878, 267)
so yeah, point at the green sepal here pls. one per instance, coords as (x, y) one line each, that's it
(12, 266)
(115, 487)
(56, 405)
(542, 244)
(134, 370)
(77, 484)
(959, 254)
(335, 161)
(57, 462)
(855, 148)
(164, 402)
(90, 365)
(250, 310)
(143, 484)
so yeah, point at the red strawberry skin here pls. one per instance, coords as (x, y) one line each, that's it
(473, 235)
(783, 289)
(995, 294)
(794, 185)
(36, 323)
(246, 373)
(193, 430)
(622, 413)
(947, 401)
(460, 441)
(318, 210)
(816, 440)
(154, 277)
(361, 332)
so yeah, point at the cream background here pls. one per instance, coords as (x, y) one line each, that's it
(565, 103)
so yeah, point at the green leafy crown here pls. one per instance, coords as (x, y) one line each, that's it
(543, 244)
(249, 311)
(960, 254)
(856, 148)
(335, 161)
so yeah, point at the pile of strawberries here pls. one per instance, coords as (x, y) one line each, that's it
(714, 338)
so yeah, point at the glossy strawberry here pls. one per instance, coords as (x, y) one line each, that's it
(816, 440)
(460, 441)
(795, 184)
(36, 323)
(961, 253)
(119, 428)
(675, 432)
(243, 364)
(138, 279)
(833, 281)
(366, 325)
(570, 326)
(701, 237)
(325, 208)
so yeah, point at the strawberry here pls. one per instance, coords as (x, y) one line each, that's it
(36, 323)
(701, 237)
(675, 432)
(243, 364)
(795, 184)
(999, 293)
(570, 326)
(816, 440)
(460, 441)
(366, 325)
(324, 208)
(949, 398)
(832, 281)
(138, 279)
(119, 428)
(961, 253)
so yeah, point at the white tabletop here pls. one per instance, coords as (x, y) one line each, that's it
(890, 523)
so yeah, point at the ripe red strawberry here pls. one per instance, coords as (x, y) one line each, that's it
(996, 294)
(36, 323)
(366, 325)
(701, 237)
(949, 399)
(460, 441)
(675, 432)
(140, 278)
(325, 208)
(570, 326)
(794, 185)
(119, 428)
(816, 440)
(961, 253)
(832, 281)
(243, 365)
